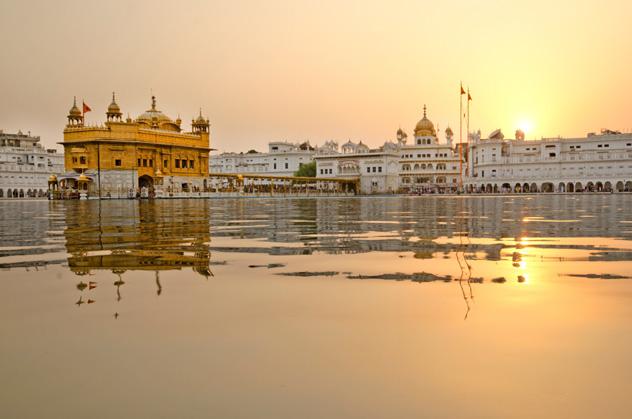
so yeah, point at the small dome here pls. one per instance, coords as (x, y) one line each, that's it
(83, 178)
(425, 128)
(52, 178)
(114, 107)
(74, 111)
(448, 132)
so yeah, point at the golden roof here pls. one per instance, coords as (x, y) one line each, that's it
(425, 127)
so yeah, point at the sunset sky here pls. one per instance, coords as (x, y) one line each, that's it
(318, 70)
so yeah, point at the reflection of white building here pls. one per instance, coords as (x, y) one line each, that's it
(599, 162)
(25, 165)
(375, 169)
(282, 159)
(425, 164)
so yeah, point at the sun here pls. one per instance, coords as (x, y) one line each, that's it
(525, 125)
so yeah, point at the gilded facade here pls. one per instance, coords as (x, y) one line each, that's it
(147, 156)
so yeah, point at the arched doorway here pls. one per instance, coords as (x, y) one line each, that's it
(570, 187)
(145, 181)
(506, 187)
(578, 187)
(548, 187)
(590, 187)
(561, 187)
(628, 186)
(619, 186)
(599, 187)
(533, 188)
(517, 188)
(607, 187)
(525, 188)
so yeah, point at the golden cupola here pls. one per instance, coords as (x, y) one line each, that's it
(75, 117)
(425, 127)
(200, 124)
(153, 118)
(114, 111)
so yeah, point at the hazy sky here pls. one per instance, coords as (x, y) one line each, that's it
(318, 70)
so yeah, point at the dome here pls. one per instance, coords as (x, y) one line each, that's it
(83, 178)
(425, 128)
(74, 111)
(114, 107)
(156, 119)
(448, 132)
(52, 178)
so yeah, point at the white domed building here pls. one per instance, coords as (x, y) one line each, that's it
(428, 165)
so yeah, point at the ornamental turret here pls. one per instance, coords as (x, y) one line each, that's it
(75, 118)
(114, 113)
(401, 137)
(449, 135)
(200, 124)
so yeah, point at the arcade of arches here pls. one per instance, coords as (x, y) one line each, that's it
(560, 187)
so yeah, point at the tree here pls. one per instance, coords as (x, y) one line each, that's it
(306, 170)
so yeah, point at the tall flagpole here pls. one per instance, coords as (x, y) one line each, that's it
(461, 138)
(467, 129)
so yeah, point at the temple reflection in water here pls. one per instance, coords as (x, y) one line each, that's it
(127, 237)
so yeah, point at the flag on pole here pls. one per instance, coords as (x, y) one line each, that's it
(86, 108)
(469, 96)
(462, 90)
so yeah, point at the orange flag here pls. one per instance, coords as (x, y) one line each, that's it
(462, 91)
(469, 97)
(86, 108)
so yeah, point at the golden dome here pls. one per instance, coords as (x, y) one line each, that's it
(52, 178)
(114, 107)
(74, 111)
(448, 132)
(156, 119)
(425, 128)
(83, 178)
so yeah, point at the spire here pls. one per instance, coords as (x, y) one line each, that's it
(424, 110)
(153, 102)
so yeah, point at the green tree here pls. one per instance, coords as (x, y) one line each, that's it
(306, 170)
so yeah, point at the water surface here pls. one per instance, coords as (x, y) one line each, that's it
(395, 307)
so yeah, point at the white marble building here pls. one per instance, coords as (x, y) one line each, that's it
(598, 162)
(427, 165)
(25, 165)
(282, 159)
(375, 169)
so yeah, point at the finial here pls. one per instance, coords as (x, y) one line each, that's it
(424, 110)
(74, 103)
(153, 102)
(200, 111)
(113, 97)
